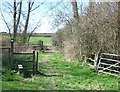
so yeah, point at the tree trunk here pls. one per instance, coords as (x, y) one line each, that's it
(19, 15)
(75, 8)
(26, 23)
(14, 17)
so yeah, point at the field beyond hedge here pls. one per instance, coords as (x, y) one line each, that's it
(46, 40)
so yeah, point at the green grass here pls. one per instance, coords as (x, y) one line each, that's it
(75, 77)
(46, 40)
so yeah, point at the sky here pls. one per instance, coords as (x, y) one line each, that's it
(44, 14)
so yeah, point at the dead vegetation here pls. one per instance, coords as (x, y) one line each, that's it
(95, 31)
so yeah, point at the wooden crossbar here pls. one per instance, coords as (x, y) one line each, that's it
(110, 70)
(109, 73)
(4, 47)
(110, 54)
(110, 60)
(23, 53)
(110, 66)
(91, 59)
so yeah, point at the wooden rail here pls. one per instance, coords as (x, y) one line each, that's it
(23, 53)
(106, 63)
(109, 65)
(5, 47)
(109, 59)
(110, 54)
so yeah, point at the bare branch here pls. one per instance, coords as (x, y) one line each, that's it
(57, 4)
(31, 4)
(9, 5)
(37, 6)
(38, 24)
(7, 8)
(4, 20)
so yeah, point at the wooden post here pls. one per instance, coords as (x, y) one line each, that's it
(97, 57)
(9, 61)
(33, 62)
(37, 63)
(11, 54)
(42, 47)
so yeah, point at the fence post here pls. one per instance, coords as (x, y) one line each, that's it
(33, 62)
(37, 63)
(42, 47)
(97, 57)
(9, 61)
(11, 54)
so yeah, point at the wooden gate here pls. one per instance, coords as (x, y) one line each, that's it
(29, 61)
(109, 63)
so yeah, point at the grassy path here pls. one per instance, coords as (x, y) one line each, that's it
(78, 77)
(74, 77)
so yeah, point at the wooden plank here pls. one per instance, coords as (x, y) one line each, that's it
(28, 68)
(35, 44)
(108, 69)
(110, 54)
(110, 60)
(37, 63)
(113, 71)
(105, 64)
(5, 47)
(97, 60)
(97, 65)
(12, 51)
(25, 61)
(97, 57)
(91, 59)
(33, 63)
(23, 53)
(118, 75)
(110, 64)
(9, 58)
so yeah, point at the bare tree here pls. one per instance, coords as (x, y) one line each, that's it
(18, 14)
(93, 32)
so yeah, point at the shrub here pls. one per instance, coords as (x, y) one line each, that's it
(9, 75)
